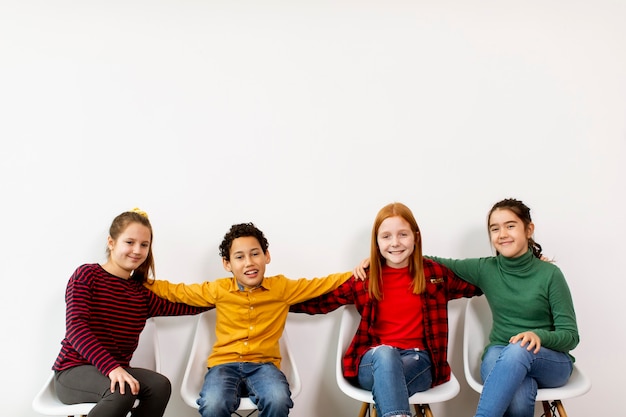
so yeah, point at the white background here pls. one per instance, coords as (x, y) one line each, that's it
(306, 117)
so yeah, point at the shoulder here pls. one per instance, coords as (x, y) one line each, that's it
(550, 269)
(433, 270)
(546, 266)
(88, 272)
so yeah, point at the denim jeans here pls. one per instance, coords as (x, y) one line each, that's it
(512, 375)
(393, 375)
(264, 383)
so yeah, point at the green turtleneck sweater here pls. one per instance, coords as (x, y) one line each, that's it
(524, 293)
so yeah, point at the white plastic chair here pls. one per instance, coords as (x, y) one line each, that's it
(196, 369)
(477, 326)
(349, 322)
(146, 356)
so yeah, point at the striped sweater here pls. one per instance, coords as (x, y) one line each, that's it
(105, 315)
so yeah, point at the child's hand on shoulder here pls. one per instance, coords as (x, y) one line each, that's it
(359, 271)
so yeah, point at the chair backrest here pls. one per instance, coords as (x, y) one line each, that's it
(148, 352)
(204, 338)
(476, 330)
(350, 319)
(478, 321)
(147, 356)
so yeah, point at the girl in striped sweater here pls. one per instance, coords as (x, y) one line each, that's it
(106, 309)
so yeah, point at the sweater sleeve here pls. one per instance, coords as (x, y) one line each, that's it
(78, 333)
(565, 336)
(466, 269)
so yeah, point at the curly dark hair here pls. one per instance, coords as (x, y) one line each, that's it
(241, 230)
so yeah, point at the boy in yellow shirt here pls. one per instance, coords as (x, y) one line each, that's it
(251, 311)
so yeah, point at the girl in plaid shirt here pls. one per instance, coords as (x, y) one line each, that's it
(400, 346)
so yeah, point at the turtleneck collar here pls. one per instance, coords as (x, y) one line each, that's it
(517, 266)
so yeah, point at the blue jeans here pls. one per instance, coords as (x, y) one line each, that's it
(512, 375)
(393, 375)
(264, 383)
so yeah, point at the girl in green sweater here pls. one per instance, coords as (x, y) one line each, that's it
(534, 324)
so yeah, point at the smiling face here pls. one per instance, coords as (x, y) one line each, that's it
(396, 241)
(247, 261)
(129, 250)
(507, 232)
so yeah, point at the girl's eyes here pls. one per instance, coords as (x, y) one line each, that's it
(400, 235)
(497, 229)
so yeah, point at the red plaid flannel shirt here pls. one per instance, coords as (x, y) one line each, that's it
(441, 286)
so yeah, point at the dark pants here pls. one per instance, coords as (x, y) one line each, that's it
(86, 384)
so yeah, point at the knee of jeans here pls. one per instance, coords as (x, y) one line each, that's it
(384, 353)
(212, 400)
(515, 351)
(277, 398)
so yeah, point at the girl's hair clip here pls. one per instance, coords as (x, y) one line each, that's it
(140, 212)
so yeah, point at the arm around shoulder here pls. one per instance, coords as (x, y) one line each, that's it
(198, 295)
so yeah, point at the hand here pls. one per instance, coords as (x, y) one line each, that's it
(121, 377)
(359, 271)
(530, 338)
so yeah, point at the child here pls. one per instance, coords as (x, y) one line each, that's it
(251, 314)
(107, 308)
(400, 346)
(534, 324)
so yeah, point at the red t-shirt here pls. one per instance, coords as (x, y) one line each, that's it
(399, 317)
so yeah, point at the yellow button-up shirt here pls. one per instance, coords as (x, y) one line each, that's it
(249, 323)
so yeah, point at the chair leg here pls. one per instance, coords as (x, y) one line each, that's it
(365, 408)
(547, 412)
(553, 409)
(560, 408)
(422, 410)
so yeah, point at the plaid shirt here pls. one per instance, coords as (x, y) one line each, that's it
(441, 286)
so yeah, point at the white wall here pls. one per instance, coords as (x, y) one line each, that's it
(306, 117)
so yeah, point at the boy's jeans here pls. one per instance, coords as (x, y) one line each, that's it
(264, 383)
(512, 375)
(393, 375)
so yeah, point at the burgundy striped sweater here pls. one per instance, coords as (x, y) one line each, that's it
(105, 315)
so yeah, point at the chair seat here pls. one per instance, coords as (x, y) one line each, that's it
(147, 355)
(476, 330)
(349, 322)
(204, 338)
